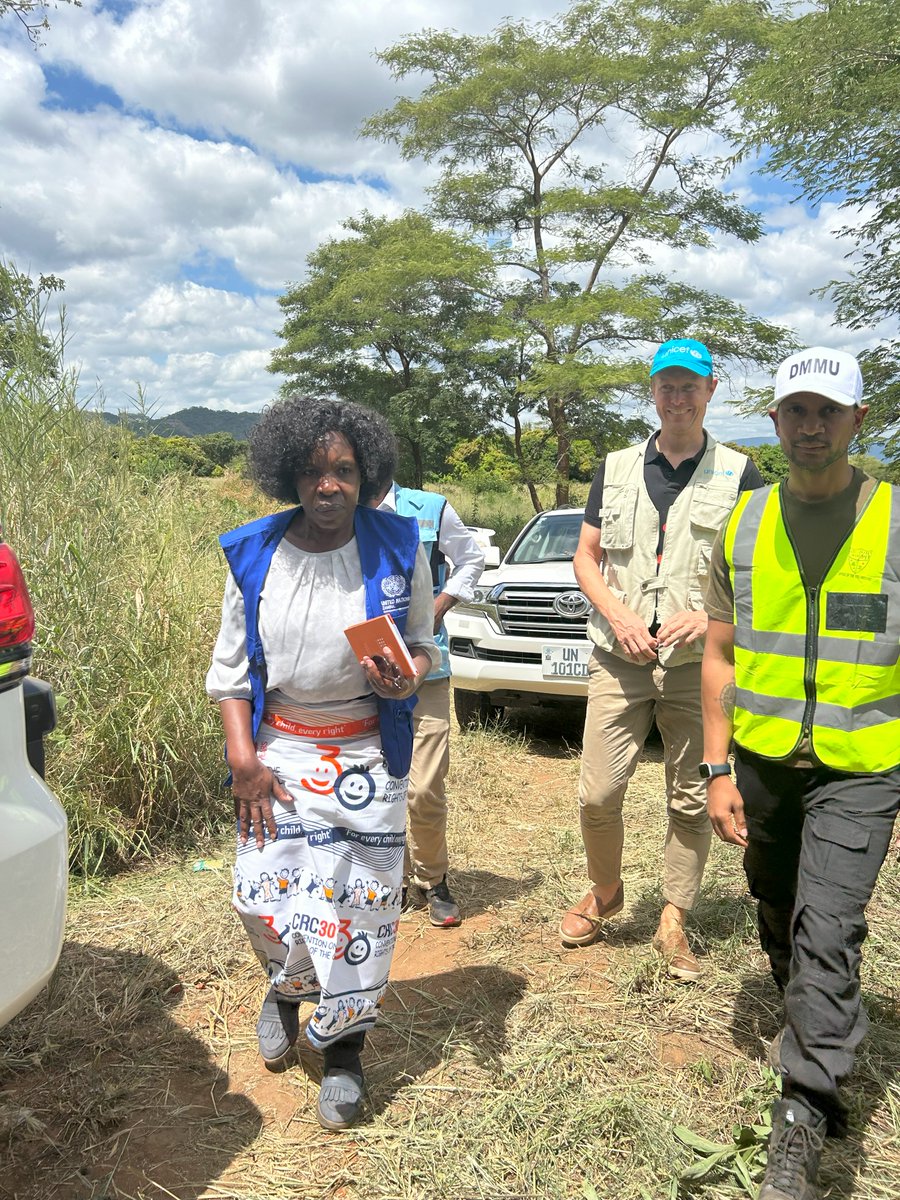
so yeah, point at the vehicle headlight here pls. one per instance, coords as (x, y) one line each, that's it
(484, 599)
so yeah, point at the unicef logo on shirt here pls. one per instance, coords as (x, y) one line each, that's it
(393, 585)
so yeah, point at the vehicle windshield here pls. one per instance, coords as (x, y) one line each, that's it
(552, 538)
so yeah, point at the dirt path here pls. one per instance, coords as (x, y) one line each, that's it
(503, 1065)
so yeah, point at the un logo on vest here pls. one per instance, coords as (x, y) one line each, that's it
(393, 585)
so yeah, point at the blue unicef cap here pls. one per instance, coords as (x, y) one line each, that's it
(683, 352)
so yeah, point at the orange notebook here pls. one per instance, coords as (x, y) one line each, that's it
(369, 639)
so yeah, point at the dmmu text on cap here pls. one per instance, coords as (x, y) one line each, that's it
(834, 374)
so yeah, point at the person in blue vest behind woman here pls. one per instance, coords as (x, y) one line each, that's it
(445, 539)
(319, 745)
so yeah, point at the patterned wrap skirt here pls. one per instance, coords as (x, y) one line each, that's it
(321, 903)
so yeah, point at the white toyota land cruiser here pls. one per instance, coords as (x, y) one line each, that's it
(523, 639)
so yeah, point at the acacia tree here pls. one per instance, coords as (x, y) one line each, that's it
(503, 368)
(388, 316)
(571, 148)
(825, 106)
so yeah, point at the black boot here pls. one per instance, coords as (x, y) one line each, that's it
(277, 1028)
(795, 1147)
(343, 1085)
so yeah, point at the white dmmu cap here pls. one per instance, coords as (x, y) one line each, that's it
(834, 374)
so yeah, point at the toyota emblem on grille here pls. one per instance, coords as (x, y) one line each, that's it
(571, 604)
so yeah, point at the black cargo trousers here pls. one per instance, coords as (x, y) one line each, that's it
(816, 841)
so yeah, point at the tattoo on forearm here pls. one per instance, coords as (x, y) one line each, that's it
(726, 700)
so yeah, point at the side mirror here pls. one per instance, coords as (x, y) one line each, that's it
(492, 556)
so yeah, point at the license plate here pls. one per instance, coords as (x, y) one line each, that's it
(565, 662)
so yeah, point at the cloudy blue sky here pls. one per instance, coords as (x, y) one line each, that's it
(176, 160)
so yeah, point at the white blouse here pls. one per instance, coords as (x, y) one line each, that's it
(307, 601)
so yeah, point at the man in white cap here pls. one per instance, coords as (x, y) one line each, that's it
(801, 671)
(651, 517)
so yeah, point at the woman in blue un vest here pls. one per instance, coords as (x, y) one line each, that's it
(319, 746)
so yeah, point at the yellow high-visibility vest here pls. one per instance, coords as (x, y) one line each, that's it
(818, 662)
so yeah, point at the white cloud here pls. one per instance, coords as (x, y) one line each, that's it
(186, 344)
(296, 80)
(233, 153)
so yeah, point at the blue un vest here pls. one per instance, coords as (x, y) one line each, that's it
(387, 546)
(428, 508)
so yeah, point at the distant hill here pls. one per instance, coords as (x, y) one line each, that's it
(189, 422)
(876, 450)
(753, 441)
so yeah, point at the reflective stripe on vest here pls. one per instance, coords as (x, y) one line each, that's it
(822, 661)
(428, 508)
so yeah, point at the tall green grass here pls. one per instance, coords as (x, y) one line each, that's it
(126, 580)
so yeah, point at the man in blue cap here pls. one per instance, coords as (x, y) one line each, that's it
(643, 560)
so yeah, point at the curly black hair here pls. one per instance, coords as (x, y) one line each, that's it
(292, 429)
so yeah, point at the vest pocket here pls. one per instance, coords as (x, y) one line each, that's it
(704, 558)
(710, 510)
(617, 517)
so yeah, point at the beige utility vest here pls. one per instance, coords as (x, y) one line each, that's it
(629, 535)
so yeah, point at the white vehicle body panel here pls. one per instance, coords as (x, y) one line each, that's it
(33, 866)
(515, 648)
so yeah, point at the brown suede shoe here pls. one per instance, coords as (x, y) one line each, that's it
(582, 924)
(671, 944)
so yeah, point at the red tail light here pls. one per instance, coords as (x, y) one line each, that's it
(16, 613)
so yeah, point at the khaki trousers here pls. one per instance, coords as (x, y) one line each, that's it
(426, 856)
(623, 699)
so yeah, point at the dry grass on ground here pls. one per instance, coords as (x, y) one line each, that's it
(503, 1067)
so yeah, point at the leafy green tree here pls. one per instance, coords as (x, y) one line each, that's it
(824, 107)
(769, 459)
(539, 454)
(874, 467)
(387, 317)
(24, 342)
(503, 371)
(221, 449)
(495, 460)
(486, 463)
(153, 456)
(570, 148)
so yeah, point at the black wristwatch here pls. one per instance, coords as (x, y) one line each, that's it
(711, 770)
